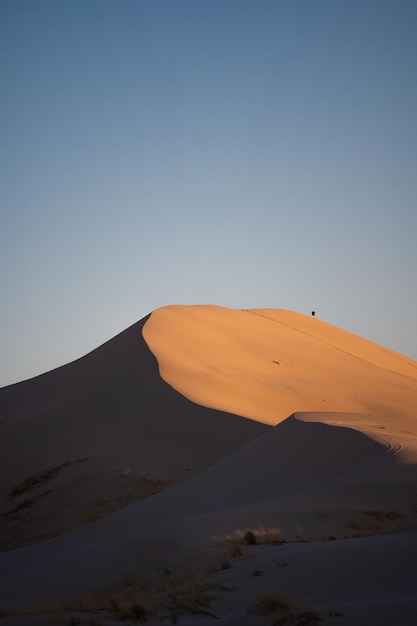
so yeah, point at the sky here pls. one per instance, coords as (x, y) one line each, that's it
(245, 153)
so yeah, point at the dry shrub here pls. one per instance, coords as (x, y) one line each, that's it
(306, 617)
(235, 551)
(382, 516)
(190, 602)
(189, 594)
(130, 601)
(94, 600)
(254, 536)
(269, 603)
(126, 603)
(283, 611)
(373, 520)
(250, 538)
(129, 608)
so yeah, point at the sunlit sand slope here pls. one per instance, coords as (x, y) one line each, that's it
(267, 363)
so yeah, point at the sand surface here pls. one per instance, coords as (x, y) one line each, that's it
(262, 420)
(267, 363)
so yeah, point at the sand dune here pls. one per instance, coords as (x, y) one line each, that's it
(296, 363)
(111, 410)
(340, 462)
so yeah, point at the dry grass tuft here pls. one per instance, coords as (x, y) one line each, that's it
(130, 608)
(269, 603)
(235, 551)
(130, 601)
(283, 611)
(254, 536)
(371, 521)
(383, 516)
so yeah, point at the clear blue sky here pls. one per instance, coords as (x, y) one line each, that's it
(247, 153)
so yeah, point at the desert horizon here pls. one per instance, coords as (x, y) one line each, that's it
(253, 466)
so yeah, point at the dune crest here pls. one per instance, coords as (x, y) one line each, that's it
(268, 363)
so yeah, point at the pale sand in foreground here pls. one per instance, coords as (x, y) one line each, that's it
(343, 465)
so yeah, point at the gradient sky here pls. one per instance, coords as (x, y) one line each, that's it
(247, 153)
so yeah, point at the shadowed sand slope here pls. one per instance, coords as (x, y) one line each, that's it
(267, 363)
(301, 472)
(109, 411)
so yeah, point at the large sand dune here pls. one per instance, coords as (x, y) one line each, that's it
(267, 363)
(339, 462)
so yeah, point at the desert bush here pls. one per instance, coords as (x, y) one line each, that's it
(94, 600)
(250, 538)
(269, 603)
(191, 602)
(371, 521)
(299, 618)
(255, 535)
(130, 609)
(235, 551)
(283, 611)
(299, 532)
(382, 516)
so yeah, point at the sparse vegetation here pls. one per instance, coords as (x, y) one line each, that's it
(41, 477)
(235, 551)
(383, 516)
(130, 600)
(254, 536)
(368, 522)
(130, 608)
(36, 479)
(31, 501)
(269, 603)
(299, 532)
(283, 611)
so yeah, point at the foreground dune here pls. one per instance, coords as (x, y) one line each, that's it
(340, 463)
